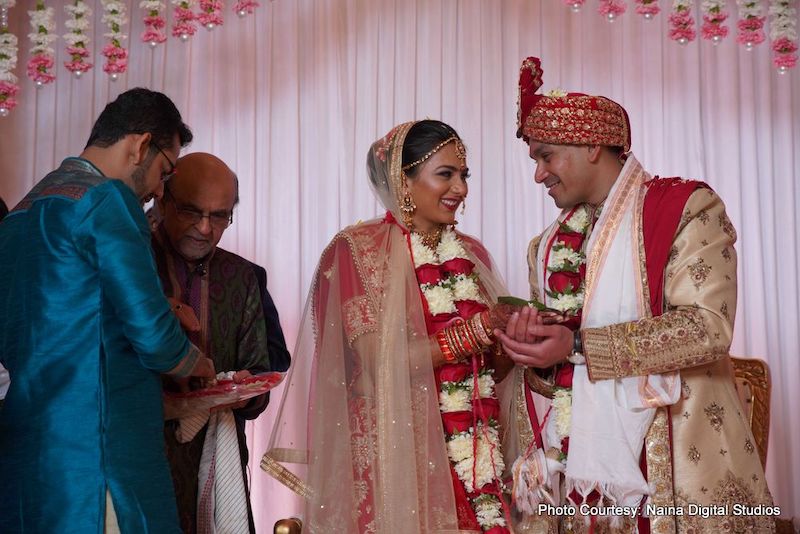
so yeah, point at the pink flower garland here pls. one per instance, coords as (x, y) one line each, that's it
(647, 8)
(116, 55)
(611, 9)
(785, 56)
(210, 13)
(184, 26)
(714, 16)
(682, 22)
(245, 7)
(77, 38)
(154, 23)
(42, 56)
(7, 93)
(783, 32)
(750, 31)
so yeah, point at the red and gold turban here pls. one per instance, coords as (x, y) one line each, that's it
(567, 118)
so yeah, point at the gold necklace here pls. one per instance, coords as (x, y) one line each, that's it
(431, 238)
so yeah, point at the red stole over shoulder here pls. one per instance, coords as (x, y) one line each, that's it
(663, 207)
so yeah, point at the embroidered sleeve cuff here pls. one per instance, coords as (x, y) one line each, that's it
(187, 363)
(675, 340)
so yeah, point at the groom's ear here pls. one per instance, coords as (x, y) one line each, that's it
(594, 153)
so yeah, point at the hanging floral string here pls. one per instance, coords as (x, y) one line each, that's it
(681, 22)
(575, 5)
(42, 55)
(783, 32)
(611, 9)
(77, 23)
(245, 7)
(210, 14)
(8, 61)
(750, 23)
(184, 26)
(714, 16)
(154, 22)
(647, 8)
(116, 55)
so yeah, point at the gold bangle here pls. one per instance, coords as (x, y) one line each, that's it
(477, 326)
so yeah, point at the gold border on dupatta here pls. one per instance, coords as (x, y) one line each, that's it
(658, 449)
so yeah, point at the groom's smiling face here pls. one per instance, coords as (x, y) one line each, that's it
(564, 170)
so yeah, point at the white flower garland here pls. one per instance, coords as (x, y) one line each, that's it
(489, 463)
(8, 57)
(475, 453)
(42, 18)
(562, 406)
(114, 16)
(78, 23)
(457, 396)
(116, 54)
(42, 54)
(442, 296)
(488, 511)
(9, 50)
(783, 32)
(563, 258)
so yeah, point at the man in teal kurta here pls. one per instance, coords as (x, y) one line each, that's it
(85, 331)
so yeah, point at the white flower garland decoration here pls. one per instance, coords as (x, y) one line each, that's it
(562, 406)
(9, 50)
(488, 511)
(783, 32)
(750, 24)
(78, 23)
(116, 55)
(42, 54)
(442, 296)
(487, 463)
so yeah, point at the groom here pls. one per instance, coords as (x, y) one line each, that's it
(642, 271)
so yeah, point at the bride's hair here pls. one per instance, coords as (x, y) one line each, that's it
(422, 138)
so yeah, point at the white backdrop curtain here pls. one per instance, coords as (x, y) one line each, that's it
(292, 97)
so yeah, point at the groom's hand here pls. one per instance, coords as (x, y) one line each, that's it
(529, 342)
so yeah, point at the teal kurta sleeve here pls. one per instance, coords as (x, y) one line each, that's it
(112, 233)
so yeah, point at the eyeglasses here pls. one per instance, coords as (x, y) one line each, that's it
(171, 172)
(219, 220)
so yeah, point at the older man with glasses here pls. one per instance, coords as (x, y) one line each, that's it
(238, 328)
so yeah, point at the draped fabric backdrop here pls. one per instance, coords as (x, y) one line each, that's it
(292, 97)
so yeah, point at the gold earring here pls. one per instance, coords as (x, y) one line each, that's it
(407, 209)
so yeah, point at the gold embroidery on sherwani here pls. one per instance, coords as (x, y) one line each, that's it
(699, 271)
(731, 494)
(716, 415)
(694, 454)
(726, 225)
(658, 453)
(726, 254)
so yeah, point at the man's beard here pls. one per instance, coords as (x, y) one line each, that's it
(138, 181)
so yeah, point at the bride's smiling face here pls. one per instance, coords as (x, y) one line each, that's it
(438, 188)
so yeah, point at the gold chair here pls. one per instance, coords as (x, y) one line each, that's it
(754, 387)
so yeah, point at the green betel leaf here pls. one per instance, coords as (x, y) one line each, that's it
(516, 301)
(513, 301)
